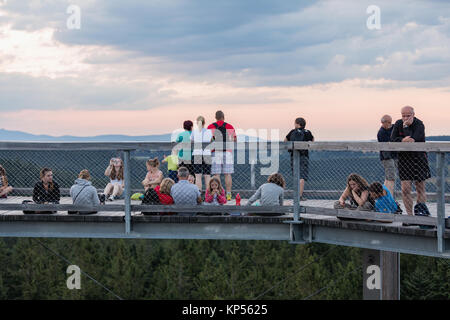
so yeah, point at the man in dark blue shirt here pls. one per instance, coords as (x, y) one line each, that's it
(412, 165)
(388, 158)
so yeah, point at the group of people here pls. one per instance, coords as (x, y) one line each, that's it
(412, 168)
(187, 168)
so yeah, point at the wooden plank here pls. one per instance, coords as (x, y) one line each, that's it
(354, 214)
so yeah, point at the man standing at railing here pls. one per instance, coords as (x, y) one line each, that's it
(412, 165)
(222, 158)
(299, 133)
(388, 158)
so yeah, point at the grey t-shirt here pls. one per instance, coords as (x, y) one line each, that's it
(270, 194)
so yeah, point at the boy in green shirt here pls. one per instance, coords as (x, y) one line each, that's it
(172, 166)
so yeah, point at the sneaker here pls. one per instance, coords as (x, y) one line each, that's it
(421, 209)
(102, 198)
(303, 198)
(111, 198)
(228, 196)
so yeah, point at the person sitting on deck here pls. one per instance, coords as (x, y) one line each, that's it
(270, 193)
(45, 191)
(384, 202)
(154, 175)
(5, 188)
(163, 191)
(215, 193)
(357, 191)
(185, 193)
(116, 185)
(84, 193)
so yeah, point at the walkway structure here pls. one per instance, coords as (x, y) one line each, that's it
(295, 222)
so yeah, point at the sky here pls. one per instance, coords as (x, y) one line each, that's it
(143, 67)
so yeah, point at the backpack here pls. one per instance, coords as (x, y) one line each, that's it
(223, 137)
(298, 135)
(150, 197)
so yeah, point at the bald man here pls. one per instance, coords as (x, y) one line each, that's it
(412, 166)
(388, 158)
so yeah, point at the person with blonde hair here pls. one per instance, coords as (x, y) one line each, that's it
(357, 191)
(117, 184)
(215, 193)
(201, 157)
(163, 191)
(154, 175)
(5, 188)
(270, 193)
(84, 193)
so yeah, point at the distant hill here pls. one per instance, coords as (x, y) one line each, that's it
(9, 135)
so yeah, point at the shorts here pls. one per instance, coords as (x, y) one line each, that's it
(204, 167)
(390, 167)
(173, 175)
(188, 166)
(413, 167)
(222, 163)
(304, 167)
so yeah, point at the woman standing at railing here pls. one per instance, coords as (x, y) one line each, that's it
(357, 191)
(115, 173)
(5, 188)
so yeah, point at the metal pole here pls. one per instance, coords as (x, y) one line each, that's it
(296, 196)
(127, 191)
(440, 192)
(252, 174)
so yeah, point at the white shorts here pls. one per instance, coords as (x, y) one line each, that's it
(222, 162)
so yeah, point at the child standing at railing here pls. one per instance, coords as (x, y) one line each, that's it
(172, 165)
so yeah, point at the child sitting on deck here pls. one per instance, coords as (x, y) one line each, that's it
(215, 193)
(384, 202)
(154, 176)
(270, 193)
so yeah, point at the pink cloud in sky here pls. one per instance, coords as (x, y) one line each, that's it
(341, 111)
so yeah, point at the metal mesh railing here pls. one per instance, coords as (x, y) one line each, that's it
(326, 173)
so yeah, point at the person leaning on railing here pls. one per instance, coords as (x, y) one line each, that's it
(357, 191)
(412, 165)
(84, 193)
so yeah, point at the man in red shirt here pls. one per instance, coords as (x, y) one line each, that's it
(222, 158)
